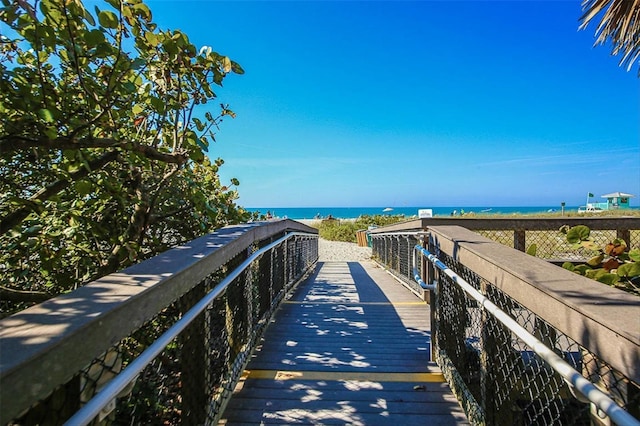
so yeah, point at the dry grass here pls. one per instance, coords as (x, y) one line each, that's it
(605, 213)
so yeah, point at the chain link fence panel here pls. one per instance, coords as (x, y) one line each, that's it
(503, 379)
(193, 376)
(496, 376)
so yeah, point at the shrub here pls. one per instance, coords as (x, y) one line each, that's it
(614, 264)
(345, 230)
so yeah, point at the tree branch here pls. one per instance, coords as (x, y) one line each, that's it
(12, 295)
(14, 218)
(138, 223)
(158, 218)
(11, 143)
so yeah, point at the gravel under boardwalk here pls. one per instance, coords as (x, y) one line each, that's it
(350, 346)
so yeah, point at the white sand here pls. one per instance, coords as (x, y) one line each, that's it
(337, 250)
(312, 222)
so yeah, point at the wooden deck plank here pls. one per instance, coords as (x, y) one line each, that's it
(350, 346)
(344, 390)
(340, 416)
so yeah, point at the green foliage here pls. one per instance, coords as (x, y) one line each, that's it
(335, 230)
(345, 230)
(578, 234)
(614, 264)
(364, 221)
(103, 142)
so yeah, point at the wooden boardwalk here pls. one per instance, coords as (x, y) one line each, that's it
(351, 346)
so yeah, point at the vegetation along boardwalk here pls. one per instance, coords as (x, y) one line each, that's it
(351, 346)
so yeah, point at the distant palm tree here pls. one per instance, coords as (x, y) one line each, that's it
(620, 24)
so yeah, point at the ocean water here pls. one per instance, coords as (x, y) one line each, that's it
(355, 212)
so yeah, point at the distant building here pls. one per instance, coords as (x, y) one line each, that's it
(617, 200)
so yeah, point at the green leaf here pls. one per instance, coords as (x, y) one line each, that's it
(578, 233)
(51, 132)
(89, 18)
(634, 255)
(157, 104)
(629, 270)
(46, 115)
(590, 245)
(532, 250)
(32, 230)
(605, 277)
(203, 143)
(582, 269)
(137, 109)
(94, 37)
(236, 68)
(143, 10)
(151, 38)
(137, 63)
(199, 125)
(596, 260)
(129, 87)
(196, 155)
(191, 138)
(108, 19)
(83, 187)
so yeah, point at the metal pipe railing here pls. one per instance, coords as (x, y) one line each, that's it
(103, 398)
(591, 392)
(417, 276)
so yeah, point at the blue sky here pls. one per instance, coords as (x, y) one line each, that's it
(419, 103)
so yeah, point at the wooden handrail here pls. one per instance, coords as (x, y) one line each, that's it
(598, 317)
(45, 345)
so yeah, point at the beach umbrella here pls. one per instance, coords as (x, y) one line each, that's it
(388, 209)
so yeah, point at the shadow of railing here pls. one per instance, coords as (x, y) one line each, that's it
(335, 344)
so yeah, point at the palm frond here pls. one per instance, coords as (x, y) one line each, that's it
(619, 23)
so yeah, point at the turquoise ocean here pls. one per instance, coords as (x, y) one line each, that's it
(355, 212)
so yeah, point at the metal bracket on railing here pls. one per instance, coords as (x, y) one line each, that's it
(420, 281)
(416, 274)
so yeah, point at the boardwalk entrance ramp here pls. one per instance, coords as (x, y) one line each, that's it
(350, 346)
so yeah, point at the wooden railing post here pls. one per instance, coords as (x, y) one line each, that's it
(624, 234)
(519, 239)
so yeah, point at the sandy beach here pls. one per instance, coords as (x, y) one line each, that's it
(341, 251)
(338, 250)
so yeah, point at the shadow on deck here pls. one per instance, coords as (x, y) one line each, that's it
(350, 346)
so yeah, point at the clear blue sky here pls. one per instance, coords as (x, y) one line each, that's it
(422, 103)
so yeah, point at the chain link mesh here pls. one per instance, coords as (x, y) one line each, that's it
(552, 244)
(496, 376)
(191, 378)
(395, 252)
(509, 383)
(634, 237)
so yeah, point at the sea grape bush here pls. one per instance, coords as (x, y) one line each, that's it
(106, 132)
(345, 230)
(614, 264)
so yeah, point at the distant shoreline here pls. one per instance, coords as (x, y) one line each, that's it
(318, 213)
